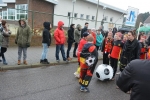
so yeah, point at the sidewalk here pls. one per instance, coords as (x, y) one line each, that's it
(33, 57)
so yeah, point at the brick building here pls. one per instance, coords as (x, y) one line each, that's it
(35, 11)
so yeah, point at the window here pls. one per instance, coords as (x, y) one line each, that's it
(105, 18)
(11, 14)
(0, 13)
(4, 15)
(93, 17)
(21, 11)
(82, 16)
(87, 17)
(75, 15)
(69, 14)
(111, 19)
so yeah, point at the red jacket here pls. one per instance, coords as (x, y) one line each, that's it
(94, 35)
(59, 34)
(80, 47)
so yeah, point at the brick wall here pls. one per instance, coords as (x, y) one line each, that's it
(39, 17)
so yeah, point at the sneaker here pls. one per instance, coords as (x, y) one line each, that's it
(84, 89)
(118, 73)
(75, 56)
(76, 75)
(58, 61)
(69, 59)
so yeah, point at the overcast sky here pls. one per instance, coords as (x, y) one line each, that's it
(142, 5)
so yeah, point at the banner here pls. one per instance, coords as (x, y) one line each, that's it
(131, 16)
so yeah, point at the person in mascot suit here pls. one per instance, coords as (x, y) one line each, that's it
(89, 51)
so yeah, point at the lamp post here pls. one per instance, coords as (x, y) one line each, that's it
(102, 22)
(73, 1)
(96, 14)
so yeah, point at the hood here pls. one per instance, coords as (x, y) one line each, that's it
(87, 45)
(22, 19)
(71, 25)
(78, 26)
(46, 25)
(60, 23)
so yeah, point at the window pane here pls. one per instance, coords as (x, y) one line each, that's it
(11, 12)
(82, 16)
(69, 14)
(11, 17)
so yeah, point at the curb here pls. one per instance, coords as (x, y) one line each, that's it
(36, 65)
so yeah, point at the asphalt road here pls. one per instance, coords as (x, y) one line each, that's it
(54, 83)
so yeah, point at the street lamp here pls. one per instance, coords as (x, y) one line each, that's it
(102, 22)
(73, 1)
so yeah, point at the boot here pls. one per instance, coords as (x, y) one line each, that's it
(41, 61)
(19, 62)
(25, 62)
(4, 62)
(46, 61)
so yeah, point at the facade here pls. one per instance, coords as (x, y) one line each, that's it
(16, 9)
(147, 22)
(85, 11)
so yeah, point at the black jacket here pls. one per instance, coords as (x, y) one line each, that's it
(130, 51)
(71, 34)
(46, 34)
(148, 41)
(136, 77)
(83, 30)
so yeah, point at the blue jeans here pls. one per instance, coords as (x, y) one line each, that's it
(44, 52)
(60, 47)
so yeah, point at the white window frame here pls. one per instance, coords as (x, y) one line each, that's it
(11, 15)
(4, 14)
(24, 13)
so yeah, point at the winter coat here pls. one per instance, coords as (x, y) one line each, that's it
(46, 34)
(94, 36)
(99, 39)
(130, 51)
(83, 30)
(59, 34)
(24, 35)
(77, 34)
(1, 39)
(135, 77)
(6, 35)
(71, 34)
(1, 36)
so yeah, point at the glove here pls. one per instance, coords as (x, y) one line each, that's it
(28, 44)
(15, 41)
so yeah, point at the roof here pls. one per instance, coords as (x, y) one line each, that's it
(9, 1)
(147, 20)
(2, 4)
(52, 1)
(107, 6)
(13, 1)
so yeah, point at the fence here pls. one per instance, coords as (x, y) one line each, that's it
(35, 20)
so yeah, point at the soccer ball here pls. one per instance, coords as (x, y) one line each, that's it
(90, 61)
(104, 72)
